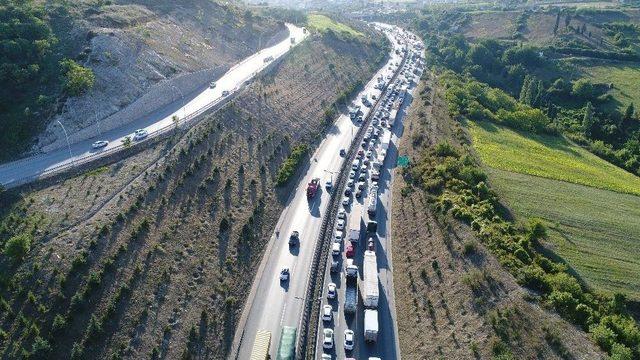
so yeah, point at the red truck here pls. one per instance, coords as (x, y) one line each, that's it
(312, 188)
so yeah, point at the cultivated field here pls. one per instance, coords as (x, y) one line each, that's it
(548, 156)
(596, 231)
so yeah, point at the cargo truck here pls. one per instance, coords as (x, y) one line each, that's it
(392, 117)
(261, 345)
(312, 188)
(385, 141)
(370, 274)
(370, 325)
(351, 292)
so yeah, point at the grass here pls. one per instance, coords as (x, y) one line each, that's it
(322, 23)
(624, 77)
(548, 156)
(596, 231)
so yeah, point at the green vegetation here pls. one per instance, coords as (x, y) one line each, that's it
(457, 186)
(595, 230)
(323, 24)
(547, 156)
(289, 166)
(624, 78)
(77, 78)
(18, 246)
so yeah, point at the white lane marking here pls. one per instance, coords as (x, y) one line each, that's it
(284, 309)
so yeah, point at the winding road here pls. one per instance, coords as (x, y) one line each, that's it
(29, 169)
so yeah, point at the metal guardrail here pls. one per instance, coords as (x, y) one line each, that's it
(75, 163)
(313, 295)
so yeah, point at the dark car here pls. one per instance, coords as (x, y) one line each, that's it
(294, 238)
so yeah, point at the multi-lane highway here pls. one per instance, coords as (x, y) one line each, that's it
(386, 346)
(28, 169)
(272, 303)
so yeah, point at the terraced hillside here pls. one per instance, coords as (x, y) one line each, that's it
(150, 257)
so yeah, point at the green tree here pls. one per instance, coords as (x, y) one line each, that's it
(77, 78)
(588, 120)
(40, 349)
(583, 89)
(18, 246)
(526, 87)
(629, 112)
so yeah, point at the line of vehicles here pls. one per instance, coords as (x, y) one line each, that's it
(363, 179)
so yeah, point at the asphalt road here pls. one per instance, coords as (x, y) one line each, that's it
(276, 304)
(25, 170)
(386, 346)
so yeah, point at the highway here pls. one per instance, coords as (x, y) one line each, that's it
(387, 345)
(272, 303)
(28, 169)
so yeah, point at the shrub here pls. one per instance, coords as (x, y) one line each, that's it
(18, 246)
(77, 78)
(40, 349)
(289, 166)
(59, 324)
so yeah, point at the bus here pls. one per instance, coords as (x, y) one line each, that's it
(287, 347)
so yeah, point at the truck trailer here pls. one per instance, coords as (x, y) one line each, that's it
(261, 345)
(372, 202)
(351, 292)
(370, 272)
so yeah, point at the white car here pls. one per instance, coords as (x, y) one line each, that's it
(102, 143)
(327, 341)
(140, 134)
(352, 174)
(212, 85)
(348, 339)
(335, 249)
(331, 291)
(327, 312)
(225, 93)
(342, 214)
(284, 274)
(339, 235)
(328, 184)
(340, 224)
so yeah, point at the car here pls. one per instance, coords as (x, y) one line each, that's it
(327, 357)
(335, 266)
(212, 85)
(346, 201)
(347, 191)
(342, 214)
(355, 164)
(338, 236)
(331, 291)
(99, 144)
(363, 169)
(327, 341)
(328, 184)
(350, 183)
(350, 251)
(340, 224)
(362, 176)
(364, 144)
(369, 154)
(343, 152)
(361, 185)
(140, 134)
(327, 312)
(225, 93)
(348, 339)
(335, 249)
(358, 193)
(360, 152)
(284, 274)
(294, 238)
(371, 245)
(366, 162)
(352, 174)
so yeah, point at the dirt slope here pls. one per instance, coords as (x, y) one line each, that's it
(454, 301)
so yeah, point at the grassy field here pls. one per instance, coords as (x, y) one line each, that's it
(596, 231)
(549, 157)
(322, 23)
(624, 76)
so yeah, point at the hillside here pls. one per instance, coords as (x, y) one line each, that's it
(152, 256)
(121, 50)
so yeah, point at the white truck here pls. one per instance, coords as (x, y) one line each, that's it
(370, 325)
(392, 117)
(370, 274)
(385, 141)
(372, 202)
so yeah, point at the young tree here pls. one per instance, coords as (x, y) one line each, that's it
(629, 112)
(526, 87)
(18, 246)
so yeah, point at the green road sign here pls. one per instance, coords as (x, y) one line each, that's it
(403, 161)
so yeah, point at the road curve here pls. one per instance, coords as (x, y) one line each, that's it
(29, 169)
(273, 304)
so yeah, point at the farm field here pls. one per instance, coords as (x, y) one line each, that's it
(596, 231)
(548, 156)
(323, 23)
(624, 77)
